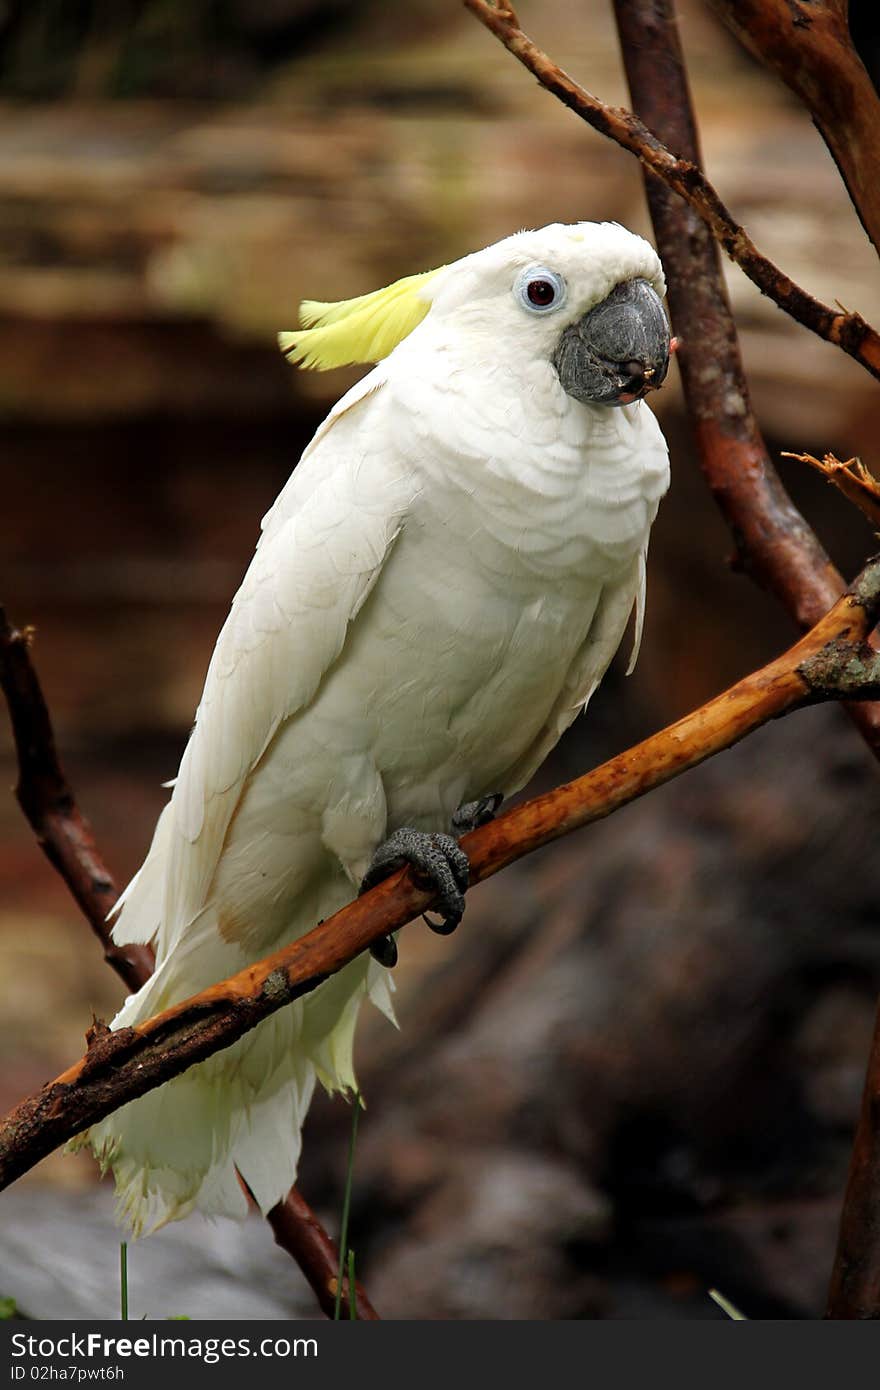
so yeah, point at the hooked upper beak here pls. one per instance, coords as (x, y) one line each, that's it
(619, 351)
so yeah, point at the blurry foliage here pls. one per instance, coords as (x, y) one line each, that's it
(136, 48)
(215, 49)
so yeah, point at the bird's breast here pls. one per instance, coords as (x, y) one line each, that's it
(537, 482)
(453, 671)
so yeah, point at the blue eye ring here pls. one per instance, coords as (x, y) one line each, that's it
(539, 289)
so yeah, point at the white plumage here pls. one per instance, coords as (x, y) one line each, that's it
(437, 591)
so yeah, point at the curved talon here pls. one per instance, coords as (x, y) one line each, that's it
(445, 927)
(436, 860)
(385, 951)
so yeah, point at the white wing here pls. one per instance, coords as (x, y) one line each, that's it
(323, 547)
(589, 665)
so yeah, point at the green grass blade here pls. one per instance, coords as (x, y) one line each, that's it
(726, 1306)
(123, 1281)
(346, 1206)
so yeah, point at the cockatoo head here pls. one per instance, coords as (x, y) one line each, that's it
(586, 298)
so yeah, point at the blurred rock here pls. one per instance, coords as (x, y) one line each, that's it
(59, 1259)
(491, 1242)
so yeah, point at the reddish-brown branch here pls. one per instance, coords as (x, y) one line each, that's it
(808, 44)
(855, 1281)
(774, 542)
(832, 660)
(298, 1231)
(848, 330)
(68, 842)
(44, 795)
(773, 539)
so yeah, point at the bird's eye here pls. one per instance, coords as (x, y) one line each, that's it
(539, 289)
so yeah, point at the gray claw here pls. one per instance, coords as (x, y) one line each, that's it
(435, 858)
(385, 951)
(472, 814)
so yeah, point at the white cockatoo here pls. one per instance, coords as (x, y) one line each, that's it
(436, 593)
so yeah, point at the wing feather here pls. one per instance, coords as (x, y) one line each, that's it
(589, 665)
(323, 547)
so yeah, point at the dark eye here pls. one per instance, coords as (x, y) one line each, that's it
(540, 289)
(541, 293)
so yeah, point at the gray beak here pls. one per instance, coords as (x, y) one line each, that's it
(619, 351)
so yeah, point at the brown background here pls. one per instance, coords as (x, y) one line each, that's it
(633, 1073)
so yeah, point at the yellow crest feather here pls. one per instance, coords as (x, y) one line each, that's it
(358, 330)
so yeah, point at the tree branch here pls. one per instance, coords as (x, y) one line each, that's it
(297, 1230)
(832, 661)
(43, 793)
(808, 44)
(854, 1292)
(68, 842)
(851, 477)
(774, 542)
(848, 331)
(773, 539)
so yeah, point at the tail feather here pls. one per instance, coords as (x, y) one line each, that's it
(168, 1155)
(177, 1148)
(137, 909)
(267, 1149)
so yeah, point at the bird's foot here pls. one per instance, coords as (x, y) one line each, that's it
(469, 816)
(435, 860)
(472, 814)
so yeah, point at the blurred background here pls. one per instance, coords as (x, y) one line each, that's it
(634, 1072)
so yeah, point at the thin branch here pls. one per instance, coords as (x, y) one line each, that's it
(298, 1231)
(42, 791)
(774, 542)
(66, 838)
(808, 44)
(849, 476)
(848, 331)
(832, 661)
